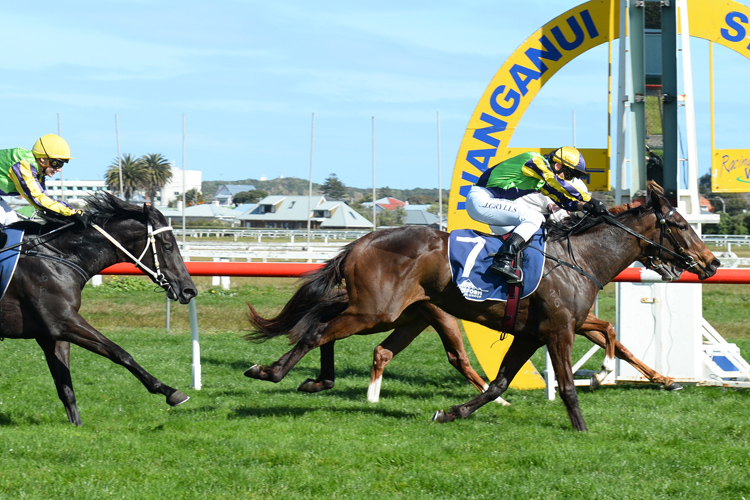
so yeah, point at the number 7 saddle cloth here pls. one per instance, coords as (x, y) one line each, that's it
(470, 253)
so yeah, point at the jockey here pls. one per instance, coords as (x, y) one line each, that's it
(23, 172)
(495, 199)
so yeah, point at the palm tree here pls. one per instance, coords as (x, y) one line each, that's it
(159, 172)
(134, 177)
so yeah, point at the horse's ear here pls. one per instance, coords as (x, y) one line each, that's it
(656, 195)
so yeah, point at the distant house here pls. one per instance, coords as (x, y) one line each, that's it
(226, 193)
(207, 212)
(386, 203)
(706, 206)
(292, 212)
(417, 215)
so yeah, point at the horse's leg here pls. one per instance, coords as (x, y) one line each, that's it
(57, 355)
(79, 332)
(519, 352)
(342, 326)
(327, 377)
(623, 353)
(384, 353)
(447, 327)
(608, 334)
(559, 348)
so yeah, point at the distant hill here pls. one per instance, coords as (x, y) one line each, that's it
(295, 187)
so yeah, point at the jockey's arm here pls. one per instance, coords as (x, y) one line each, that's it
(27, 184)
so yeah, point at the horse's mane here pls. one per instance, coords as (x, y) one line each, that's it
(98, 209)
(576, 225)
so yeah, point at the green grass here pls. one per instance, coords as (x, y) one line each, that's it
(242, 438)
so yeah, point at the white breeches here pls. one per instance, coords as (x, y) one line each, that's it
(7, 214)
(503, 216)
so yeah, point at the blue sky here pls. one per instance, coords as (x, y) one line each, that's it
(248, 75)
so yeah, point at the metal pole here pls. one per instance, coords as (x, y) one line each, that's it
(440, 178)
(184, 185)
(374, 207)
(119, 160)
(309, 198)
(620, 169)
(62, 178)
(196, 344)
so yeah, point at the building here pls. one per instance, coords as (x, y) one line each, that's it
(204, 213)
(293, 212)
(174, 189)
(73, 192)
(386, 203)
(225, 194)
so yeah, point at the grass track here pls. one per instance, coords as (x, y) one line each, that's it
(241, 438)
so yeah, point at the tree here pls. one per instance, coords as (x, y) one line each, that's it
(158, 173)
(193, 197)
(334, 188)
(252, 196)
(134, 177)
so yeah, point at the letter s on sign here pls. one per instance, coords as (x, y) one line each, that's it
(733, 20)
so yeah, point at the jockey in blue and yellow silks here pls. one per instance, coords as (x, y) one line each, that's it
(495, 199)
(23, 172)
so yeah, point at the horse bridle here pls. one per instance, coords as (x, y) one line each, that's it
(685, 260)
(156, 274)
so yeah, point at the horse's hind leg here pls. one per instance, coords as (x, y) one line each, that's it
(57, 355)
(342, 326)
(327, 378)
(518, 353)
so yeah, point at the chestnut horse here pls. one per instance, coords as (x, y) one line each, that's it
(56, 262)
(391, 272)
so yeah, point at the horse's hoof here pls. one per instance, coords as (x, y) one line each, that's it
(177, 398)
(501, 401)
(593, 383)
(674, 386)
(253, 372)
(312, 385)
(439, 417)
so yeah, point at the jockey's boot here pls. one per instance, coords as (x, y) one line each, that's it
(502, 262)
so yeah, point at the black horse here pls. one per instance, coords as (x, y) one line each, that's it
(57, 259)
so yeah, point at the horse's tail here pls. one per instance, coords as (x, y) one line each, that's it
(320, 298)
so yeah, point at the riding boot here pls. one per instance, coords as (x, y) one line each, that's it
(502, 263)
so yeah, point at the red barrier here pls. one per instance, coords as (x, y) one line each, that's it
(297, 269)
(247, 269)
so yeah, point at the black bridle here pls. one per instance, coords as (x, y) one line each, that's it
(685, 261)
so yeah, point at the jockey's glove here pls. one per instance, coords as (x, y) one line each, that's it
(595, 207)
(79, 221)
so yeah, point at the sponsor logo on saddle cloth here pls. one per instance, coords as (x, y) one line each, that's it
(470, 254)
(9, 258)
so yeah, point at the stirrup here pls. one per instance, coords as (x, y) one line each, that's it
(507, 271)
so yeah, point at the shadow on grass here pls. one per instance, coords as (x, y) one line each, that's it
(297, 411)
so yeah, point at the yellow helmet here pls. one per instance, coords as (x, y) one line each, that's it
(51, 146)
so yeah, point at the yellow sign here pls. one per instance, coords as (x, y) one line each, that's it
(730, 171)
(487, 138)
(597, 163)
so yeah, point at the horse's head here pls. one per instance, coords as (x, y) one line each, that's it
(679, 246)
(168, 263)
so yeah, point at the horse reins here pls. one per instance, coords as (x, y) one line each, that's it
(156, 275)
(681, 253)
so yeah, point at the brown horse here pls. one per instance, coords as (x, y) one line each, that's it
(391, 272)
(56, 261)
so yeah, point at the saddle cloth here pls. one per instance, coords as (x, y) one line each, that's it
(470, 254)
(9, 258)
